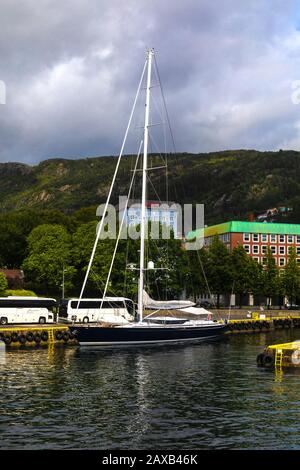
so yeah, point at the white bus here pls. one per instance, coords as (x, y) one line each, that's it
(113, 310)
(26, 310)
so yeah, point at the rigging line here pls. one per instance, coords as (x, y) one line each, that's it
(164, 102)
(158, 110)
(127, 244)
(167, 241)
(205, 278)
(153, 187)
(176, 157)
(152, 140)
(160, 107)
(173, 142)
(121, 225)
(98, 282)
(156, 148)
(111, 187)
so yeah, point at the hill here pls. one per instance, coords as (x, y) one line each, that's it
(230, 184)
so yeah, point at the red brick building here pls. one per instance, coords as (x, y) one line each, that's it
(256, 237)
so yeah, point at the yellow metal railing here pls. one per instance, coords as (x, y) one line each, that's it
(278, 358)
(50, 336)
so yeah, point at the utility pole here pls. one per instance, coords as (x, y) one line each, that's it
(63, 282)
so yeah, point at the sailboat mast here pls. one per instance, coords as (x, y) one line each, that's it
(144, 184)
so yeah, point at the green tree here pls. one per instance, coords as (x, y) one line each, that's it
(49, 252)
(291, 277)
(197, 283)
(219, 269)
(82, 242)
(271, 282)
(172, 275)
(246, 273)
(3, 284)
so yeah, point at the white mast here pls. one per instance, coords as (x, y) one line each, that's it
(144, 182)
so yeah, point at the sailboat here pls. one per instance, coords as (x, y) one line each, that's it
(147, 329)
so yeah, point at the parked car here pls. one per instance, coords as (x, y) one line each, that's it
(292, 306)
(205, 304)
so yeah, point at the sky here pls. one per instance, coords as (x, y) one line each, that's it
(230, 71)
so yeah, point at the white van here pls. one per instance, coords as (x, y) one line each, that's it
(26, 310)
(111, 309)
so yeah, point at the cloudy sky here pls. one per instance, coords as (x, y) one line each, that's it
(71, 70)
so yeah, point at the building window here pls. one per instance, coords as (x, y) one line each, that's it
(256, 259)
(298, 250)
(281, 261)
(264, 249)
(246, 237)
(247, 248)
(290, 239)
(298, 260)
(255, 237)
(272, 238)
(282, 250)
(273, 249)
(264, 237)
(290, 249)
(298, 238)
(264, 261)
(281, 238)
(255, 249)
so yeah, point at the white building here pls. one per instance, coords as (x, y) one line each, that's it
(156, 211)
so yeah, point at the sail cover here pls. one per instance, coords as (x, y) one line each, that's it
(196, 311)
(151, 304)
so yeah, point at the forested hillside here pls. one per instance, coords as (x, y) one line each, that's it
(230, 184)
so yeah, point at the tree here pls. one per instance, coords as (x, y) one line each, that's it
(173, 274)
(3, 284)
(271, 282)
(291, 277)
(246, 273)
(82, 242)
(49, 247)
(197, 282)
(219, 269)
(13, 245)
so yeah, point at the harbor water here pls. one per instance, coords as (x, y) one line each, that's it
(200, 396)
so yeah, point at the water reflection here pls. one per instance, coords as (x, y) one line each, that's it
(208, 395)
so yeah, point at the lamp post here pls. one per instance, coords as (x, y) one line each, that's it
(63, 282)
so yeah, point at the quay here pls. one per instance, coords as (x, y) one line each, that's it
(34, 335)
(245, 321)
(257, 324)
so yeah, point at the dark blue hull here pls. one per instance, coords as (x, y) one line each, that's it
(89, 335)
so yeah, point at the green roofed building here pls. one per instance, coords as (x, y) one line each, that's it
(255, 237)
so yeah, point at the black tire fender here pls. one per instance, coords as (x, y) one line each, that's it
(29, 336)
(37, 338)
(58, 335)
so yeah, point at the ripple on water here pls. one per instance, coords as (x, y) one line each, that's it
(202, 396)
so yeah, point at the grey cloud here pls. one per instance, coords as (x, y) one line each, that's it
(71, 70)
